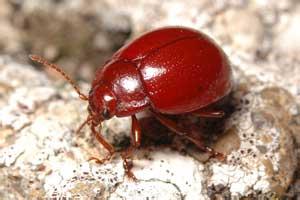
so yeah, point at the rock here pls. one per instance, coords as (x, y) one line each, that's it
(42, 157)
(286, 40)
(155, 189)
(242, 28)
(260, 163)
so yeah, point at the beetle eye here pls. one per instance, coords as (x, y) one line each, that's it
(105, 113)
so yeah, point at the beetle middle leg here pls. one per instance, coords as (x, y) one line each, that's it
(136, 142)
(182, 132)
(206, 112)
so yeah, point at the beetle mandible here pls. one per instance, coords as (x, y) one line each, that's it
(171, 70)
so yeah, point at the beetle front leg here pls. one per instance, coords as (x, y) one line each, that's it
(180, 131)
(105, 144)
(136, 142)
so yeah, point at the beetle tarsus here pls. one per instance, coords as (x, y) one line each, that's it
(100, 161)
(127, 165)
(215, 154)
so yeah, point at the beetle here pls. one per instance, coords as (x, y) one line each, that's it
(171, 70)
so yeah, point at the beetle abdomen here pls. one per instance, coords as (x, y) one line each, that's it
(186, 75)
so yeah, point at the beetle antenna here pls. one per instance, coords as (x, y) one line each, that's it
(56, 68)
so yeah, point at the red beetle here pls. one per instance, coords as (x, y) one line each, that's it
(172, 70)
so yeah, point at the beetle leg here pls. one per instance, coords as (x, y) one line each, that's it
(136, 141)
(180, 131)
(86, 122)
(106, 145)
(204, 112)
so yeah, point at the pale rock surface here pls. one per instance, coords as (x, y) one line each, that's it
(287, 42)
(41, 156)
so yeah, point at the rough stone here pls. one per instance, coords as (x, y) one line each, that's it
(42, 157)
(287, 42)
(234, 27)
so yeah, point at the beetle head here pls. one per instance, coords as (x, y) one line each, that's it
(102, 103)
